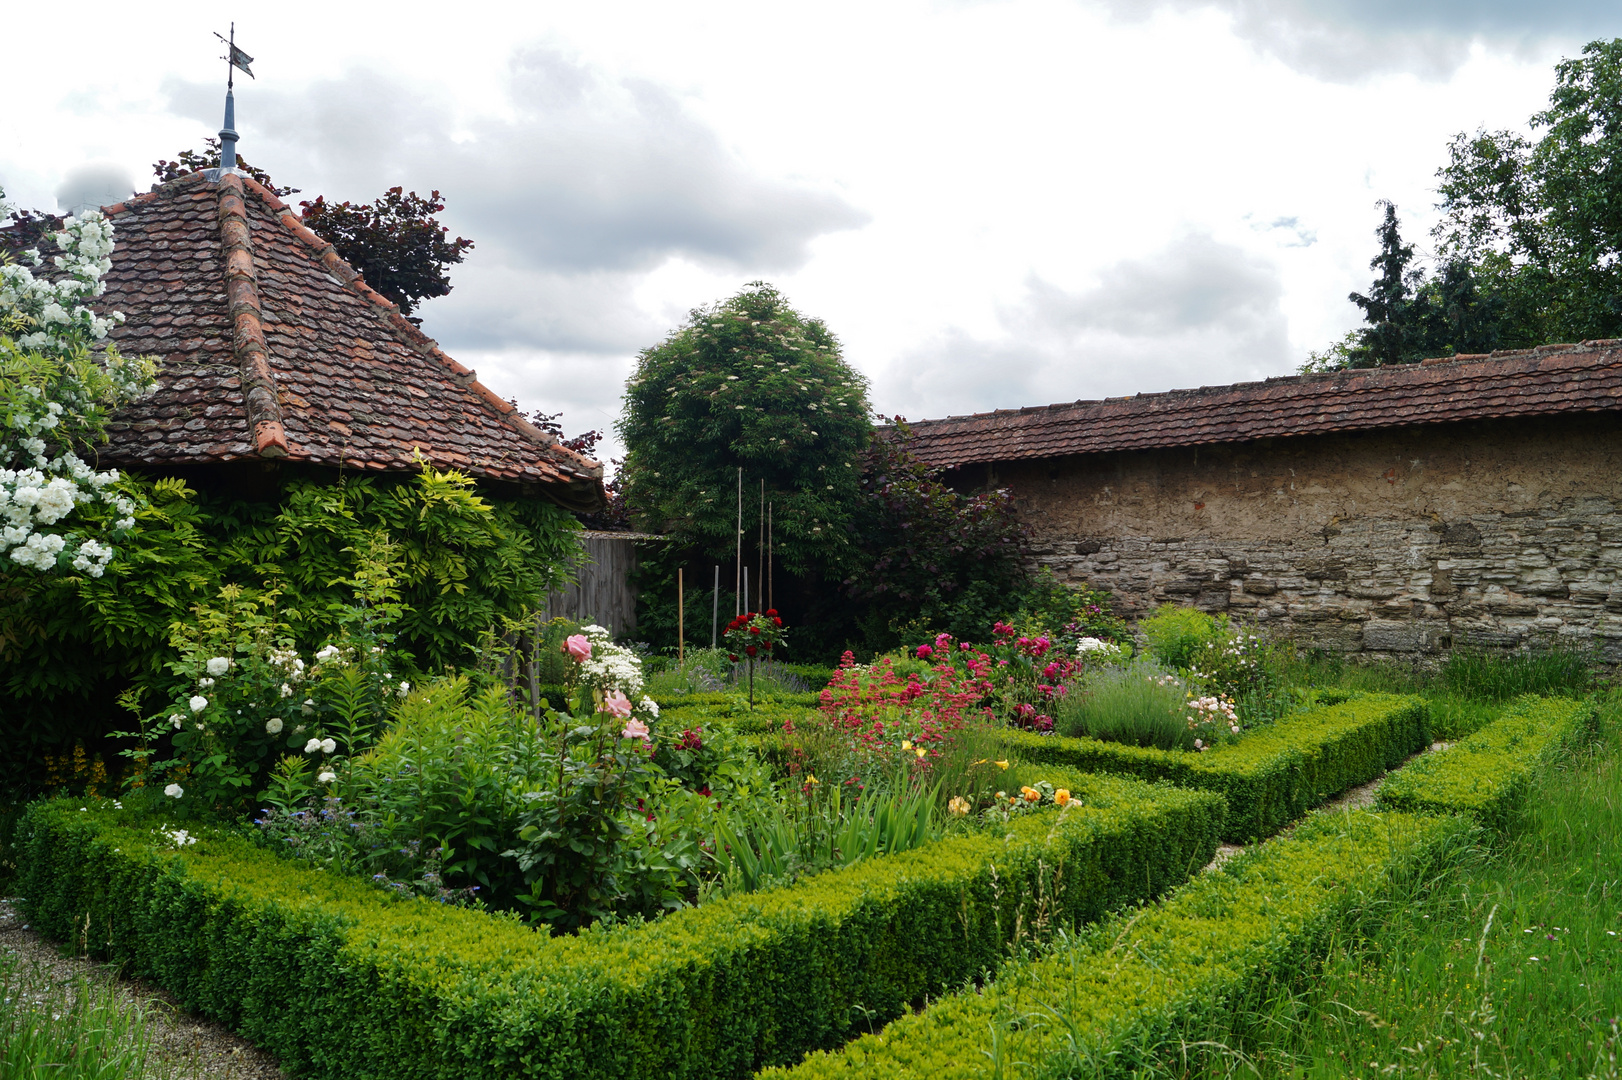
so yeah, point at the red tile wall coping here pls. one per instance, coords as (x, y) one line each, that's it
(1547, 380)
(273, 346)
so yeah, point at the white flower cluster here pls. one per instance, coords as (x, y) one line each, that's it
(60, 309)
(610, 667)
(1098, 648)
(38, 491)
(178, 837)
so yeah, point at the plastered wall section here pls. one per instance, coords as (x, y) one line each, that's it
(1399, 543)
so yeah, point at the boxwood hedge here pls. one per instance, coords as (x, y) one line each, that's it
(1273, 774)
(1111, 1001)
(336, 978)
(1489, 775)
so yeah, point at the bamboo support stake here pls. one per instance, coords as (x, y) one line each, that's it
(681, 619)
(737, 576)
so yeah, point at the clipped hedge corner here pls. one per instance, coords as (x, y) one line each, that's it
(1275, 773)
(1489, 775)
(337, 978)
(1110, 1002)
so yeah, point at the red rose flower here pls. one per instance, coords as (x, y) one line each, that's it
(750, 649)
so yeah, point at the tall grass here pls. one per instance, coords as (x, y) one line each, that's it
(1140, 703)
(1508, 967)
(1500, 678)
(69, 1031)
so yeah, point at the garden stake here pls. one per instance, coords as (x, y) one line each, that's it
(681, 617)
(771, 599)
(715, 607)
(760, 549)
(737, 574)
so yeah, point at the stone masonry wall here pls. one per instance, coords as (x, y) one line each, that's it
(1399, 543)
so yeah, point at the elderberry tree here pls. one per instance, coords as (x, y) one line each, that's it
(57, 513)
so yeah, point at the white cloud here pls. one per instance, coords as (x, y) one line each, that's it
(1196, 312)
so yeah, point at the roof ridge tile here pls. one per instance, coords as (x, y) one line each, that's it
(260, 397)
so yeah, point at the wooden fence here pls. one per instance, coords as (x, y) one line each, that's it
(601, 591)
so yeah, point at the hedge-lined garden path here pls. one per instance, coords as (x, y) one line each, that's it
(182, 1044)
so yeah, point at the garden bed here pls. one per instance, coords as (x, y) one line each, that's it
(333, 976)
(1273, 774)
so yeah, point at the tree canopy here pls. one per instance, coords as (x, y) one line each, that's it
(747, 383)
(1529, 248)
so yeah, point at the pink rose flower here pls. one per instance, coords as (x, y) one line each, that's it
(618, 705)
(578, 648)
(636, 729)
(924, 652)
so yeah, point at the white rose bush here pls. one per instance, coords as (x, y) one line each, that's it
(57, 513)
(250, 715)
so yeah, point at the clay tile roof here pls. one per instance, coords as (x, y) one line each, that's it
(1550, 379)
(273, 347)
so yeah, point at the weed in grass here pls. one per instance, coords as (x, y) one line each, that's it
(1508, 965)
(1547, 672)
(75, 1031)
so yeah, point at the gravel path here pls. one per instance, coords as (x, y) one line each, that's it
(182, 1045)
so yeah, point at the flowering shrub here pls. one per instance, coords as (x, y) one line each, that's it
(607, 675)
(873, 722)
(54, 401)
(246, 697)
(1243, 670)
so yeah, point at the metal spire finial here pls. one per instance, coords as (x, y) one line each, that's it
(235, 60)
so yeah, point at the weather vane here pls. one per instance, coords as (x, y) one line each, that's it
(235, 60)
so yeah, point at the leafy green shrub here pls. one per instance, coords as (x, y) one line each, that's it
(1273, 774)
(1489, 775)
(1501, 677)
(1176, 634)
(335, 977)
(1120, 999)
(1139, 704)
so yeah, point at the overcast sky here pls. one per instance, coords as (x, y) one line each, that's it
(991, 204)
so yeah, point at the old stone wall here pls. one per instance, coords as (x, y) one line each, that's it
(1398, 543)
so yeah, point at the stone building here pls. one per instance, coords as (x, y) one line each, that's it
(1395, 512)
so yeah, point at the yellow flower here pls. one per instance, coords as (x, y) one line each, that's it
(812, 778)
(1031, 794)
(1001, 795)
(1002, 764)
(920, 751)
(905, 745)
(982, 761)
(958, 807)
(1062, 796)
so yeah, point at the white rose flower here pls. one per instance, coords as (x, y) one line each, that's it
(287, 691)
(326, 776)
(198, 703)
(174, 791)
(273, 726)
(219, 665)
(313, 746)
(405, 688)
(176, 720)
(328, 746)
(205, 684)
